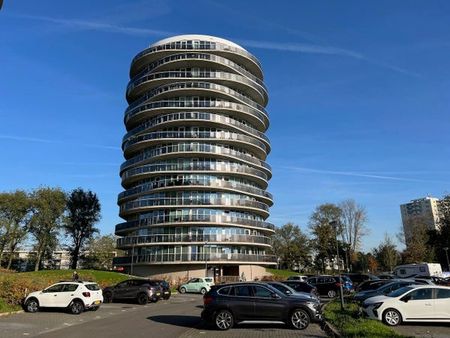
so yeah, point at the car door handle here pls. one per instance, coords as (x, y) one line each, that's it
(427, 304)
(55, 295)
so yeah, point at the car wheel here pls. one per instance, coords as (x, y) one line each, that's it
(203, 291)
(76, 307)
(142, 299)
(107, 297)
(182, 290)
(392, 317)
(331, 294)
(32, 305)
(300, 319)
(224, 320)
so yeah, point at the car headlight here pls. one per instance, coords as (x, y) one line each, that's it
(313, 305)
(377, 305)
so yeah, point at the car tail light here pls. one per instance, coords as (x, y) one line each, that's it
(207, 299)
(86, 294)
(338, 285)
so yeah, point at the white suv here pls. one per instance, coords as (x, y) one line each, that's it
(75, 296)
(411, 304)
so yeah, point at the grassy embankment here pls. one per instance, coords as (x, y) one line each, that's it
(14, 286)
(349, 324)
(281, 274)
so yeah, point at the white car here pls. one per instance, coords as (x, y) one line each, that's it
(427, 303)
(75, 296)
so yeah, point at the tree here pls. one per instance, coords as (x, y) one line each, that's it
(83, 210)
(291, 246)
(417, 243)
(324, 233)
(99, 253)
(353, 219)
(14, 217)
(48, 206)
(440, 238)
(386, 254)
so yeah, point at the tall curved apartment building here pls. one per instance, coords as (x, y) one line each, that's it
(195, 176)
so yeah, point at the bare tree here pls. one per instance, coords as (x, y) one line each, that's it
(353, 220)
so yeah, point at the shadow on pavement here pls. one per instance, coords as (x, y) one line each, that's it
(178, 320)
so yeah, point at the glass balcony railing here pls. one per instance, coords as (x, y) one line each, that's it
(193, 166)
(201, 46)
(193, 202)
(178, 219)
(177, 86)
(198, 57)
(213, 257)
(173, 238)
(202, 116)
(207, 104)
(195, 135)
(151, 153)
(199, 75)
(197, 181)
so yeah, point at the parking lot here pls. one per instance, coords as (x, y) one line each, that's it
(177, 317)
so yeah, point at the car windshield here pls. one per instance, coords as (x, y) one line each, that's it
(400, 291)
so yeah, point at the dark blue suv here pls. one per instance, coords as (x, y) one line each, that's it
(229, 304)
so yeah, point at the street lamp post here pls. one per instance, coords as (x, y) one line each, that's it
(335, 225)
(446, 256)
(132, 258)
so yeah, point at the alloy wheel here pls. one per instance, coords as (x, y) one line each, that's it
(76, 308)
(392, 317)
(32, 306)
(300, 319)
(224, 320)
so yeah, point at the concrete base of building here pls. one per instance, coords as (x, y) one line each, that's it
(177, 274)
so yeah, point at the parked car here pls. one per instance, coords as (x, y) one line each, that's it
(302, 287)
(165, 288)
(384, 289)
(329, 285)
(372, 284)
(201, 285)
(387, 276)
(358, 278)
(230, 304)
(422, 269)
(425, 303)
(74, 296)
(141, 290)
(298, 277)
(290, 291)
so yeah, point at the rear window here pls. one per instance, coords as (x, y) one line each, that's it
(208, 280)
(92, 287)
(224, 291)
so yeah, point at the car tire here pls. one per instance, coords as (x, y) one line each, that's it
(299, 319)
(331, 294)
(182, 290)
(76, 307)
(392, 317)
(203, 291)
(142, 299)
(107, 297)
(32, 305)
(223, 320)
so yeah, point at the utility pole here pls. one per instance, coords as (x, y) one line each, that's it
(132, 258)
(206, 259)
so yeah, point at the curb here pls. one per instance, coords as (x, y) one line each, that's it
(11, 313)
(328, 328)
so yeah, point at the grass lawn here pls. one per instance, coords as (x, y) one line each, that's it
(4, 307)
(349, 325)
(281, 273)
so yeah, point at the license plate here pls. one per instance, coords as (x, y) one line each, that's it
(166, 292)
(97, 302)
(158, 294)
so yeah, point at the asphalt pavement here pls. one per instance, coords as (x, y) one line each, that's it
(177, 317)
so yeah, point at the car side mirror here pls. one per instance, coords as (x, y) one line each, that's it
(275, 296)
(288, 292)
(406, 299)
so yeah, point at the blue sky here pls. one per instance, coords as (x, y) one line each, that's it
(359, 95)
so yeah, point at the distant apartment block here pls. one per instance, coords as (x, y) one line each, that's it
(424, 210)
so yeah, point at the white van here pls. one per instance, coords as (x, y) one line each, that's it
(422, 269)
